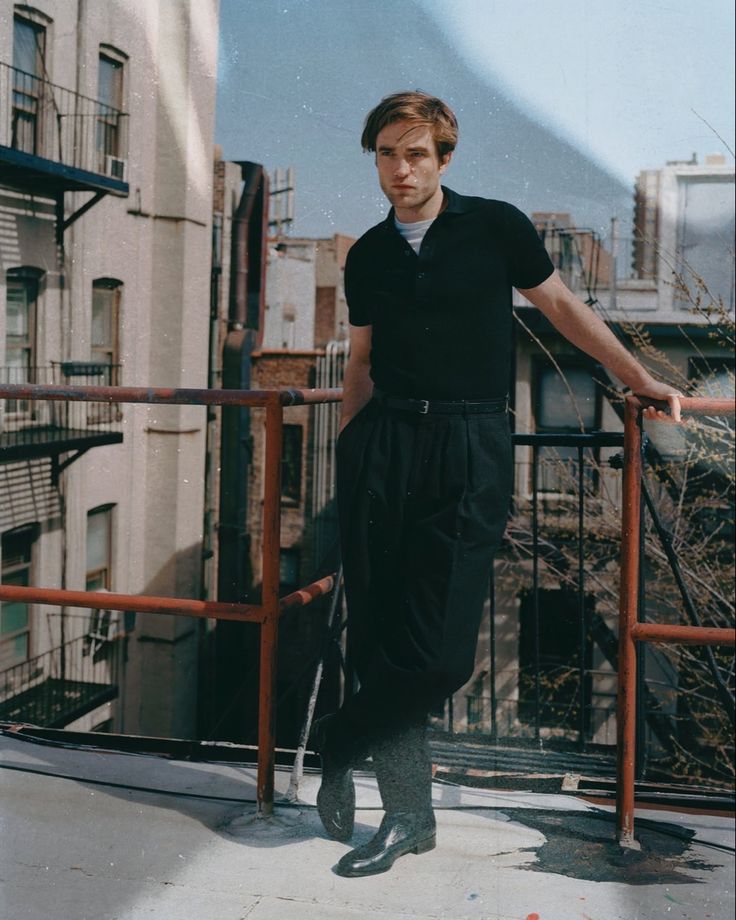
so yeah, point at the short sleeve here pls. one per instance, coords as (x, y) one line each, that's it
(529, 261)
(356, 290)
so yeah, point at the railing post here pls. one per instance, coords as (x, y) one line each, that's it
(270, 603)
(628, 613)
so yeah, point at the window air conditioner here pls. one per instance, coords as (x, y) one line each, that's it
(115, 167)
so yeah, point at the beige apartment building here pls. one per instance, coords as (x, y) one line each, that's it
(106, 127)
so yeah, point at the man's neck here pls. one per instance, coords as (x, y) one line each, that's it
(426, 211)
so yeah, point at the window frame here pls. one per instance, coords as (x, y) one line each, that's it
(100, 621)
(108, 131)
(33, 85)
(115, 287)
(29, 279)
(540, 365)
(27, 534)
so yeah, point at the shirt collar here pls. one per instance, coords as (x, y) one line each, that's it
(456, 204)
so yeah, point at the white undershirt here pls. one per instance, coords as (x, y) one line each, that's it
(413, 233)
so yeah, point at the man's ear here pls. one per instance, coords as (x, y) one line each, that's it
(445, 161)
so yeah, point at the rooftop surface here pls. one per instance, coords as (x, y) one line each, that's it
(98, 835)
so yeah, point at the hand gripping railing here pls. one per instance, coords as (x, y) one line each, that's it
(266, 613)
(631, 630)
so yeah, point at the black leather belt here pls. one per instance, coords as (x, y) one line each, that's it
(443, 407)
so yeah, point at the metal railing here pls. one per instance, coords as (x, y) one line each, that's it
(53, 123)
(531, 547)
(25, 422)
(550, 675)
(563, 483)
(631, 629)
(266, 614)
(63, 683)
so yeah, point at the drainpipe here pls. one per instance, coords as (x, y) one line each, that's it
(246, 308)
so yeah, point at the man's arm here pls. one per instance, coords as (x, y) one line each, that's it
(357, 386)
(581, 326)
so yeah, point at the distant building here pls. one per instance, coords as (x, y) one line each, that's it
(106, 121)
(684, 225)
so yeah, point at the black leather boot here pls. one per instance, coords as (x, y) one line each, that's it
(400, 833)
(336, 796)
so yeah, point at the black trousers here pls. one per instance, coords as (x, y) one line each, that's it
(423, 502)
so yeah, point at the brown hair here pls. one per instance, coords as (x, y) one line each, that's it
(418, 108)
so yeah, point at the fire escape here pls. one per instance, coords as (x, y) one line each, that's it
(53, 142)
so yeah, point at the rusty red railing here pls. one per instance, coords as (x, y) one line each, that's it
(267, 613)
(631, 630)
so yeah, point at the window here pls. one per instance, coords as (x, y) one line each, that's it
(109, 112)
(555, 412)
(20, 332)
(559, 659)
(104, 326)
(99, 577)
(291, 464)
(289, 569)
(15, 624)
(29, 47)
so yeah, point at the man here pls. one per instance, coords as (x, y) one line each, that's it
(424, 472)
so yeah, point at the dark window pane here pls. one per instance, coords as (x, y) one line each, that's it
(289, 568)
(27, 46)
(558, 664)
(110, 82)
(291, 469)
(555, 407)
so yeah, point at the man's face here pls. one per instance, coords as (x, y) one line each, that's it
(409, 168)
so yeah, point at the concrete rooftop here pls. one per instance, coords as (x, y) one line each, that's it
(96, 835)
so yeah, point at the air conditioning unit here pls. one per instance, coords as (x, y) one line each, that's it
(103, 627)
(115, 167)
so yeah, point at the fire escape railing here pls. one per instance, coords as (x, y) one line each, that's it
(62, 683)
(53, 123)
(267, 613)
(631, 630)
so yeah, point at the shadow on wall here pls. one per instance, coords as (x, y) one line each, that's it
(161, 686)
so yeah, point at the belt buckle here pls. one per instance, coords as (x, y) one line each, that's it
(423, 406)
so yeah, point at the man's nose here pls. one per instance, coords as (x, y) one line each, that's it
(402, 167)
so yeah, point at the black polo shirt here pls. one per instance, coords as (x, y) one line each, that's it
(442, 319)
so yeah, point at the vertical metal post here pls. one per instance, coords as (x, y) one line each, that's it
(494, 700)
(270, 603)
(535, 593)
(582, 625)
(640, 754)
(628, 612)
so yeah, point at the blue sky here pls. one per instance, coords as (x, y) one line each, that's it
(560, 105)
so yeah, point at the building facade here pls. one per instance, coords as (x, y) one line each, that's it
(106, 124)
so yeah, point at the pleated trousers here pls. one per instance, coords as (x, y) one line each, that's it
(423, 502)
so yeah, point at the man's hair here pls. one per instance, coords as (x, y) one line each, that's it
(418, 108)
